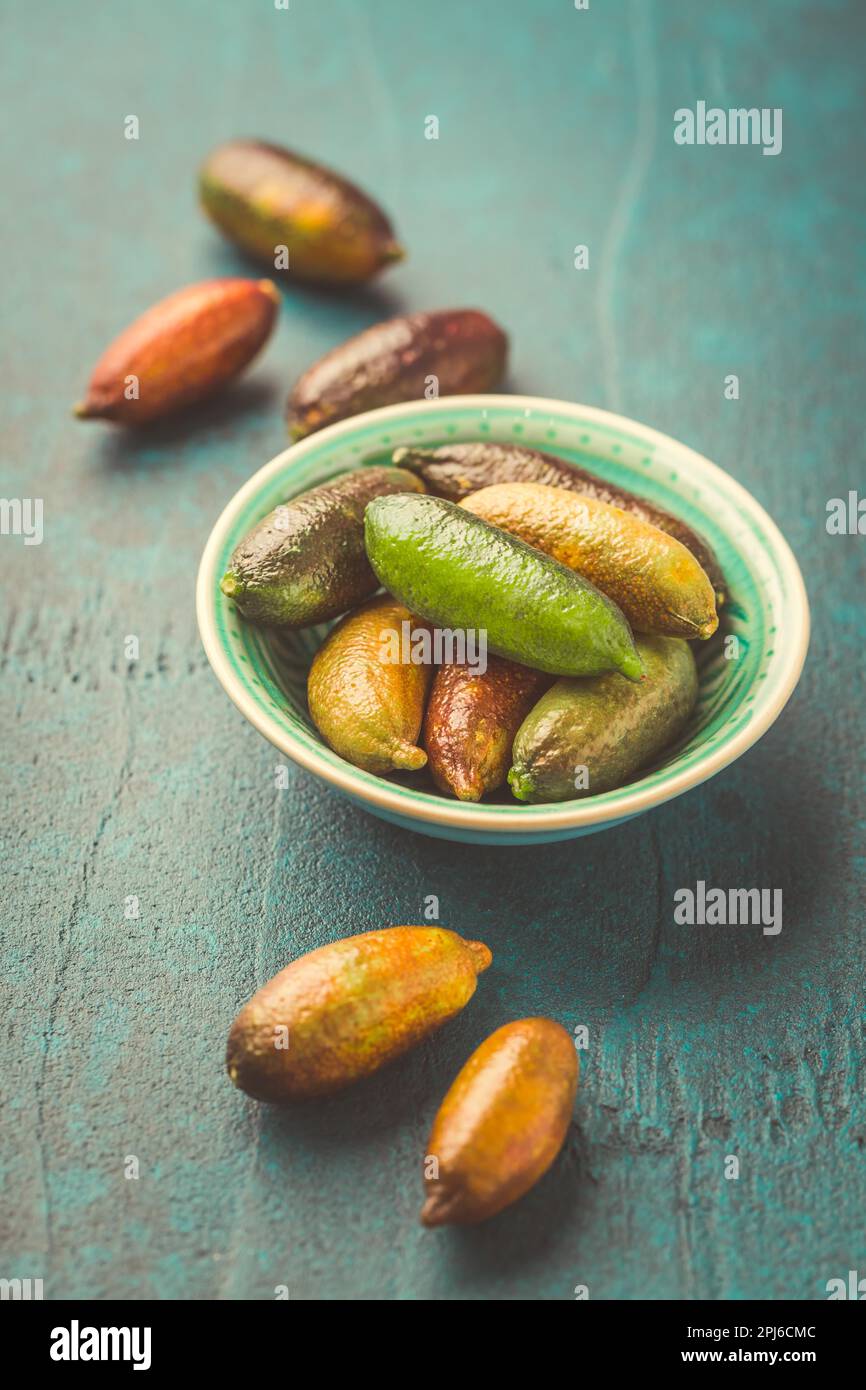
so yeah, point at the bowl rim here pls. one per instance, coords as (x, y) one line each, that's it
(579, 814)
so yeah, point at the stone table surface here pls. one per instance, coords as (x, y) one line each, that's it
(138, 779)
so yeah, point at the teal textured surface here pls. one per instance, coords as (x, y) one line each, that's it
(135, 778)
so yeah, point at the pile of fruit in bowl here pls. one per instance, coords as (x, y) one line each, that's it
(535, 628)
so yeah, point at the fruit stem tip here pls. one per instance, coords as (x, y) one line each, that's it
(407, 457)
(408, 758)
(433, 1213)
(231, 585)
(269, 288)
(520, 784)
(467, 787)
(482, 954)
(633, 668)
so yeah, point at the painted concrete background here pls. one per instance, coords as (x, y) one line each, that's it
(139, 778)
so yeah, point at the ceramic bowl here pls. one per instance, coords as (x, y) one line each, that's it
(744, 684)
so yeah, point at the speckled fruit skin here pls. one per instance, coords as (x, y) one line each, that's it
(454, 471)
(367, 707)
(608, 726)
(181, 350)
(263, 197)
(460, 572)
(394, 361)
(655, 580)
(346, 1009)
(502, 1123)
(305, 561)
(471, 721)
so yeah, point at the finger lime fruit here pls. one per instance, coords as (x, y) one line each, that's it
(180, 351)
(344, 1010)
(305, 561)
(657, 583)
(454, 471)
(461, 350)
(365, 700)
(270, 201)
(589, 736)
(502, 1123)
(461, 573)
(472, 717)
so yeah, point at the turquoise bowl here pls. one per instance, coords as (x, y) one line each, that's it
(747, 671)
